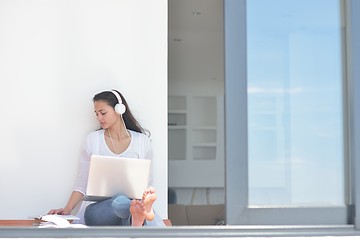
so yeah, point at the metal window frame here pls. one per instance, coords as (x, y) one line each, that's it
(236, 129)
(353, 71)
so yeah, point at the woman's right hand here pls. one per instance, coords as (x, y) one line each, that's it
(74, 199)
(59, 211)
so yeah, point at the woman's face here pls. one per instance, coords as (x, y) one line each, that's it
(105, 114)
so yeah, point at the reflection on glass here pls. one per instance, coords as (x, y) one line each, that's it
(295, 112)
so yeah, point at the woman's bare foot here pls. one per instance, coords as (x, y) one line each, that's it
(141, 210)
(137, 210)
(148, 198)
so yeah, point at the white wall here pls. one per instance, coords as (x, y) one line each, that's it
(54, 56)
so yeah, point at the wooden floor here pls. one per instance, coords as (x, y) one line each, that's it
(17, 223)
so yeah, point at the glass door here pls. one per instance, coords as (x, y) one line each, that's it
(285, 127)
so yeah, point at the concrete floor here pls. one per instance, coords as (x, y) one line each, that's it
(346, 232)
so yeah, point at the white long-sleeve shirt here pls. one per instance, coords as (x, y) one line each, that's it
(139, 147)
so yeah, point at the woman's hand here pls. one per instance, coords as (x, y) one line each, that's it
(60, 211)
(74, 199)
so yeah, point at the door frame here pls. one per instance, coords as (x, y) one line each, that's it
(238, 211)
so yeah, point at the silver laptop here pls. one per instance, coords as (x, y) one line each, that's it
(110, 175)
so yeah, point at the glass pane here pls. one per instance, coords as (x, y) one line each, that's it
(295, 113)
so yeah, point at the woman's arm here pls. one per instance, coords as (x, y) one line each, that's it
(74, 199)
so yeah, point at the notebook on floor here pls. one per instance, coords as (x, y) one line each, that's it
(110, 175)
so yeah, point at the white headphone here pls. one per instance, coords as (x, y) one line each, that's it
(119, 107)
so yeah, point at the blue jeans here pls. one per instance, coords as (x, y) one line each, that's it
(114, 211)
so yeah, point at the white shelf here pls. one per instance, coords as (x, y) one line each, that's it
(177, 144)
(205, 128)
(177, 112)
(176, 119)
(194, 141)
(175, 127)
(204, 145)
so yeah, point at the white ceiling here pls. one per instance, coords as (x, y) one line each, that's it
(195, 16)
(195, 40)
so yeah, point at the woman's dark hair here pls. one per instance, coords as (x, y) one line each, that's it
(129, 120)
